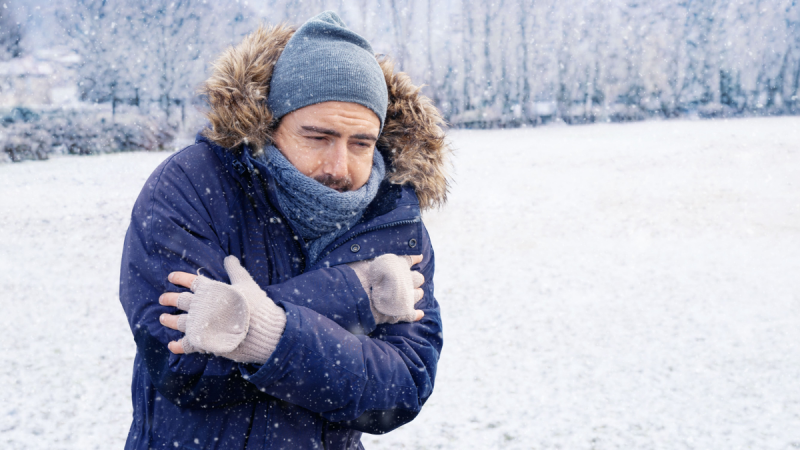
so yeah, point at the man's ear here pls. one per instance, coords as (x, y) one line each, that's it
(276, 135)
(271, 130)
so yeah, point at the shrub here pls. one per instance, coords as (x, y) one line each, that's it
(80, 133)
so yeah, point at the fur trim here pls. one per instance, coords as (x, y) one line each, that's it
(238, 88)
(414, 139)
(412, 134)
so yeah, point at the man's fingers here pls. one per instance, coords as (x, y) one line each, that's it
(418, 294)
(176, 347)
(169, 298)
(180, 300)
(420, 315)
(169, 321)
(415, 259)
(182, 279)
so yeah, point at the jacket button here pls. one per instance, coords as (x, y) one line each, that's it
(412, 243)
(355, 248)
(239, 167)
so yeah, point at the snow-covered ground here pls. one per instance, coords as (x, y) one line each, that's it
(608, 286)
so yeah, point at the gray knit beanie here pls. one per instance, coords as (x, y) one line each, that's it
(325, 61)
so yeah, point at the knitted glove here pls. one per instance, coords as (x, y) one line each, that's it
(236, 321)
(390, 285)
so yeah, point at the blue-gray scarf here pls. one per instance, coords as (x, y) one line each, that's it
(320, 214)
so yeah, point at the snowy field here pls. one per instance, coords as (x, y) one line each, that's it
(610, 286)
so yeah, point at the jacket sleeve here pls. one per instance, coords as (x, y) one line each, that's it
(172, 230)
(334, 292)
(372, 383)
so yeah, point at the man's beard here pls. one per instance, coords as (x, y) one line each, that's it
(343, 184)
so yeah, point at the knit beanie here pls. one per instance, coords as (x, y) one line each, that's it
(325, 61)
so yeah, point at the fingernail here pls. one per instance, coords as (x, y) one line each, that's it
(161, 299)
(161, 318)
(171, 276)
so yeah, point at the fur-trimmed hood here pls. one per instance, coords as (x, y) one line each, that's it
(412, 136)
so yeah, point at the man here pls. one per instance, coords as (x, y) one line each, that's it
(295, 221)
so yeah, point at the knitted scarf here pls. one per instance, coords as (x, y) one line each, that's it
(320, 214)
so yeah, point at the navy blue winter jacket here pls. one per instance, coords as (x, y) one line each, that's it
(334, 373)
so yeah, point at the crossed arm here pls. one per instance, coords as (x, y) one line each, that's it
(240, 322)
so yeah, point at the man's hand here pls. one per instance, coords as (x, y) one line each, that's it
(393, 288)
(236, 321)
(171, 299)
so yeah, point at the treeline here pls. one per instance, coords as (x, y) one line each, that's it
(485, 64)
(513, 62)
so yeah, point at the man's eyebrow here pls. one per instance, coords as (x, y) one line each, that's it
(322, 130)
(360, 136)
(366, 137)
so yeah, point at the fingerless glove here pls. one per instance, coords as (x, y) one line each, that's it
(390, 285)
(236, 321)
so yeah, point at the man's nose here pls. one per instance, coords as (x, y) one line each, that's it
(336, 166)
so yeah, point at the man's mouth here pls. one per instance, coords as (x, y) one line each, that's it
(343, 184)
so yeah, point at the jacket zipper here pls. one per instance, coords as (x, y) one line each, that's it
(369, 230)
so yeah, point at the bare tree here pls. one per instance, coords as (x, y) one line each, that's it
(10, 33)
(104, 39)
(400, 25)
(172, 34)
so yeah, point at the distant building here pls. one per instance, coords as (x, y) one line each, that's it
(48, 77)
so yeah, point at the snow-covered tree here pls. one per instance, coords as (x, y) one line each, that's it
(145, 52)
(102, 35)
(499, 63)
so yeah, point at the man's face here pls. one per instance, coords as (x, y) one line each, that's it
(331, 142)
